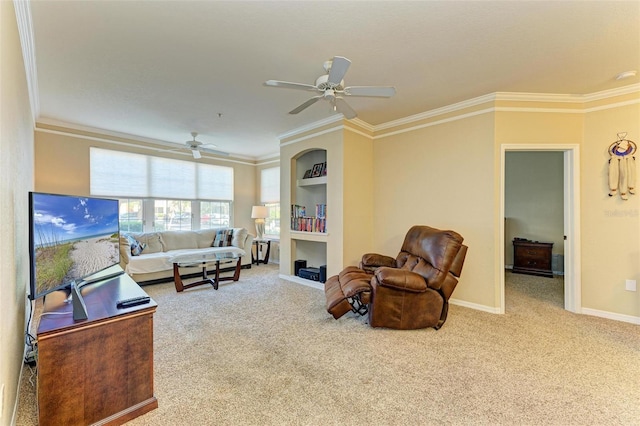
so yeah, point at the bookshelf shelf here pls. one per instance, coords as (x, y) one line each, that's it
(309, 236)
(322, 180)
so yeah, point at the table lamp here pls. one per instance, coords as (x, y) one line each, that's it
(259, 213)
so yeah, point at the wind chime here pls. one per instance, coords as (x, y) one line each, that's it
(622, 167)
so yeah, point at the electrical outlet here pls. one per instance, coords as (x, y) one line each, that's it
(630, 285)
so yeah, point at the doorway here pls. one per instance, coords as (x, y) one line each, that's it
(571, 221)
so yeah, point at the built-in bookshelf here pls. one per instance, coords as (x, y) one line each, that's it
(309, 223)
(344, 161)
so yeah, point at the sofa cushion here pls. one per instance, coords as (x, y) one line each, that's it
(239, 237)
(153, 240)
(205, 237)
(223, 238)
(176, 240)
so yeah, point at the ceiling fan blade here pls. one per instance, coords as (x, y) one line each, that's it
(196, 153)
(287, 85)
(306, 104)
(339, 68)
(374, 91)
(346, 110)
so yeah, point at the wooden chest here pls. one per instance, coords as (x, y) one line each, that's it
(532, 257)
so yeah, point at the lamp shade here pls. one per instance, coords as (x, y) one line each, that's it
(258, 212)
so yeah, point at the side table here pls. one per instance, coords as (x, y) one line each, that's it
(261, 255)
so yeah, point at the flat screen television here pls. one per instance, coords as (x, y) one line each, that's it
(71, 238)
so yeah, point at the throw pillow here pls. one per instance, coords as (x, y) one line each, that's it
(136, 246)
(223, 238)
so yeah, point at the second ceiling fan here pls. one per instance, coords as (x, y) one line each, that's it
(196, 147)
(331, 88)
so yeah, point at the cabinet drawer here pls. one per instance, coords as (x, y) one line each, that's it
(531, 257)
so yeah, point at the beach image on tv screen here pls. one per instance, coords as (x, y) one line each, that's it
(73, 237)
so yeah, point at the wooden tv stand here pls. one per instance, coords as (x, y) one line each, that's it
(98, 370)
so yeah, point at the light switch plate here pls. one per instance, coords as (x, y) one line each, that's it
(630, 285)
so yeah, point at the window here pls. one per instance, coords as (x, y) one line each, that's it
(131, 219)
(124, 174)
(270, 197)
(272, 222)
(214, 214)
(172, 215)
(166, 194)
(164, 215)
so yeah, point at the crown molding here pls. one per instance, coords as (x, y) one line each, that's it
(25, 30)
(270, 159)
(312, 126)
(625, 90)
(312, 135)
(436, 112)
(69, 129)
(512, 96)
(362, 124)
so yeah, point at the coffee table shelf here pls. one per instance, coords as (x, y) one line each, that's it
(206, 260)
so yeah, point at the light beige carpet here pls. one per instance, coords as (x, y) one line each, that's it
(263, 351)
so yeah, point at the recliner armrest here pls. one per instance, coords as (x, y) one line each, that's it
(400, 279)
(371, 261)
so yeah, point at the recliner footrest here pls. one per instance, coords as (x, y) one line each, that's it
(350, 290)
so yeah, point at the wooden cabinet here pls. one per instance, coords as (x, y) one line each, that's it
(532, 257)
(99, 370)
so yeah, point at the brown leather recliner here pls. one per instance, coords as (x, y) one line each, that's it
(408, 292)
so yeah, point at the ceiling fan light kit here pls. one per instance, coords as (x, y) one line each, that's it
(331, 88)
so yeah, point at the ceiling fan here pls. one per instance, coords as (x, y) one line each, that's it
(331, 87)
(196, 147)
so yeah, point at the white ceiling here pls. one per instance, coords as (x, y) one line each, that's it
(160, 70)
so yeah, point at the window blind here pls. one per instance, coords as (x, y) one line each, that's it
(270, 185)
(124, 174)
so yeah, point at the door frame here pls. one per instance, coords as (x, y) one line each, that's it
(571, 196)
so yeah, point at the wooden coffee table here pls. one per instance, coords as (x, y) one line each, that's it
(206, 260)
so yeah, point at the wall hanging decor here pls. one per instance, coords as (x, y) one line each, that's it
(622, 167)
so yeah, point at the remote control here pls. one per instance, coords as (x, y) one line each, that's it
(127, 303)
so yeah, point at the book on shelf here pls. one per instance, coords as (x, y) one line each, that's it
(298, 211)
(301, 222)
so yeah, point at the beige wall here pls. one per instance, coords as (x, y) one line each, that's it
(62, 166)
(610, 225)
(608, 257)
(16, 167)
(442, 175)
(358, 208)
(534, 199)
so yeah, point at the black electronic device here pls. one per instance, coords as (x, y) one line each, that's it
(323, 273)
(297, 265)
(312, 274)
(134, 301)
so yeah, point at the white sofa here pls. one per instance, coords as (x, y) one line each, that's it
(152, 264)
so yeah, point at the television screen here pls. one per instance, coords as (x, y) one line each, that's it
(71, 238)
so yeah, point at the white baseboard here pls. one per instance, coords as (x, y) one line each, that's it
(477, 307)
(611, 315)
